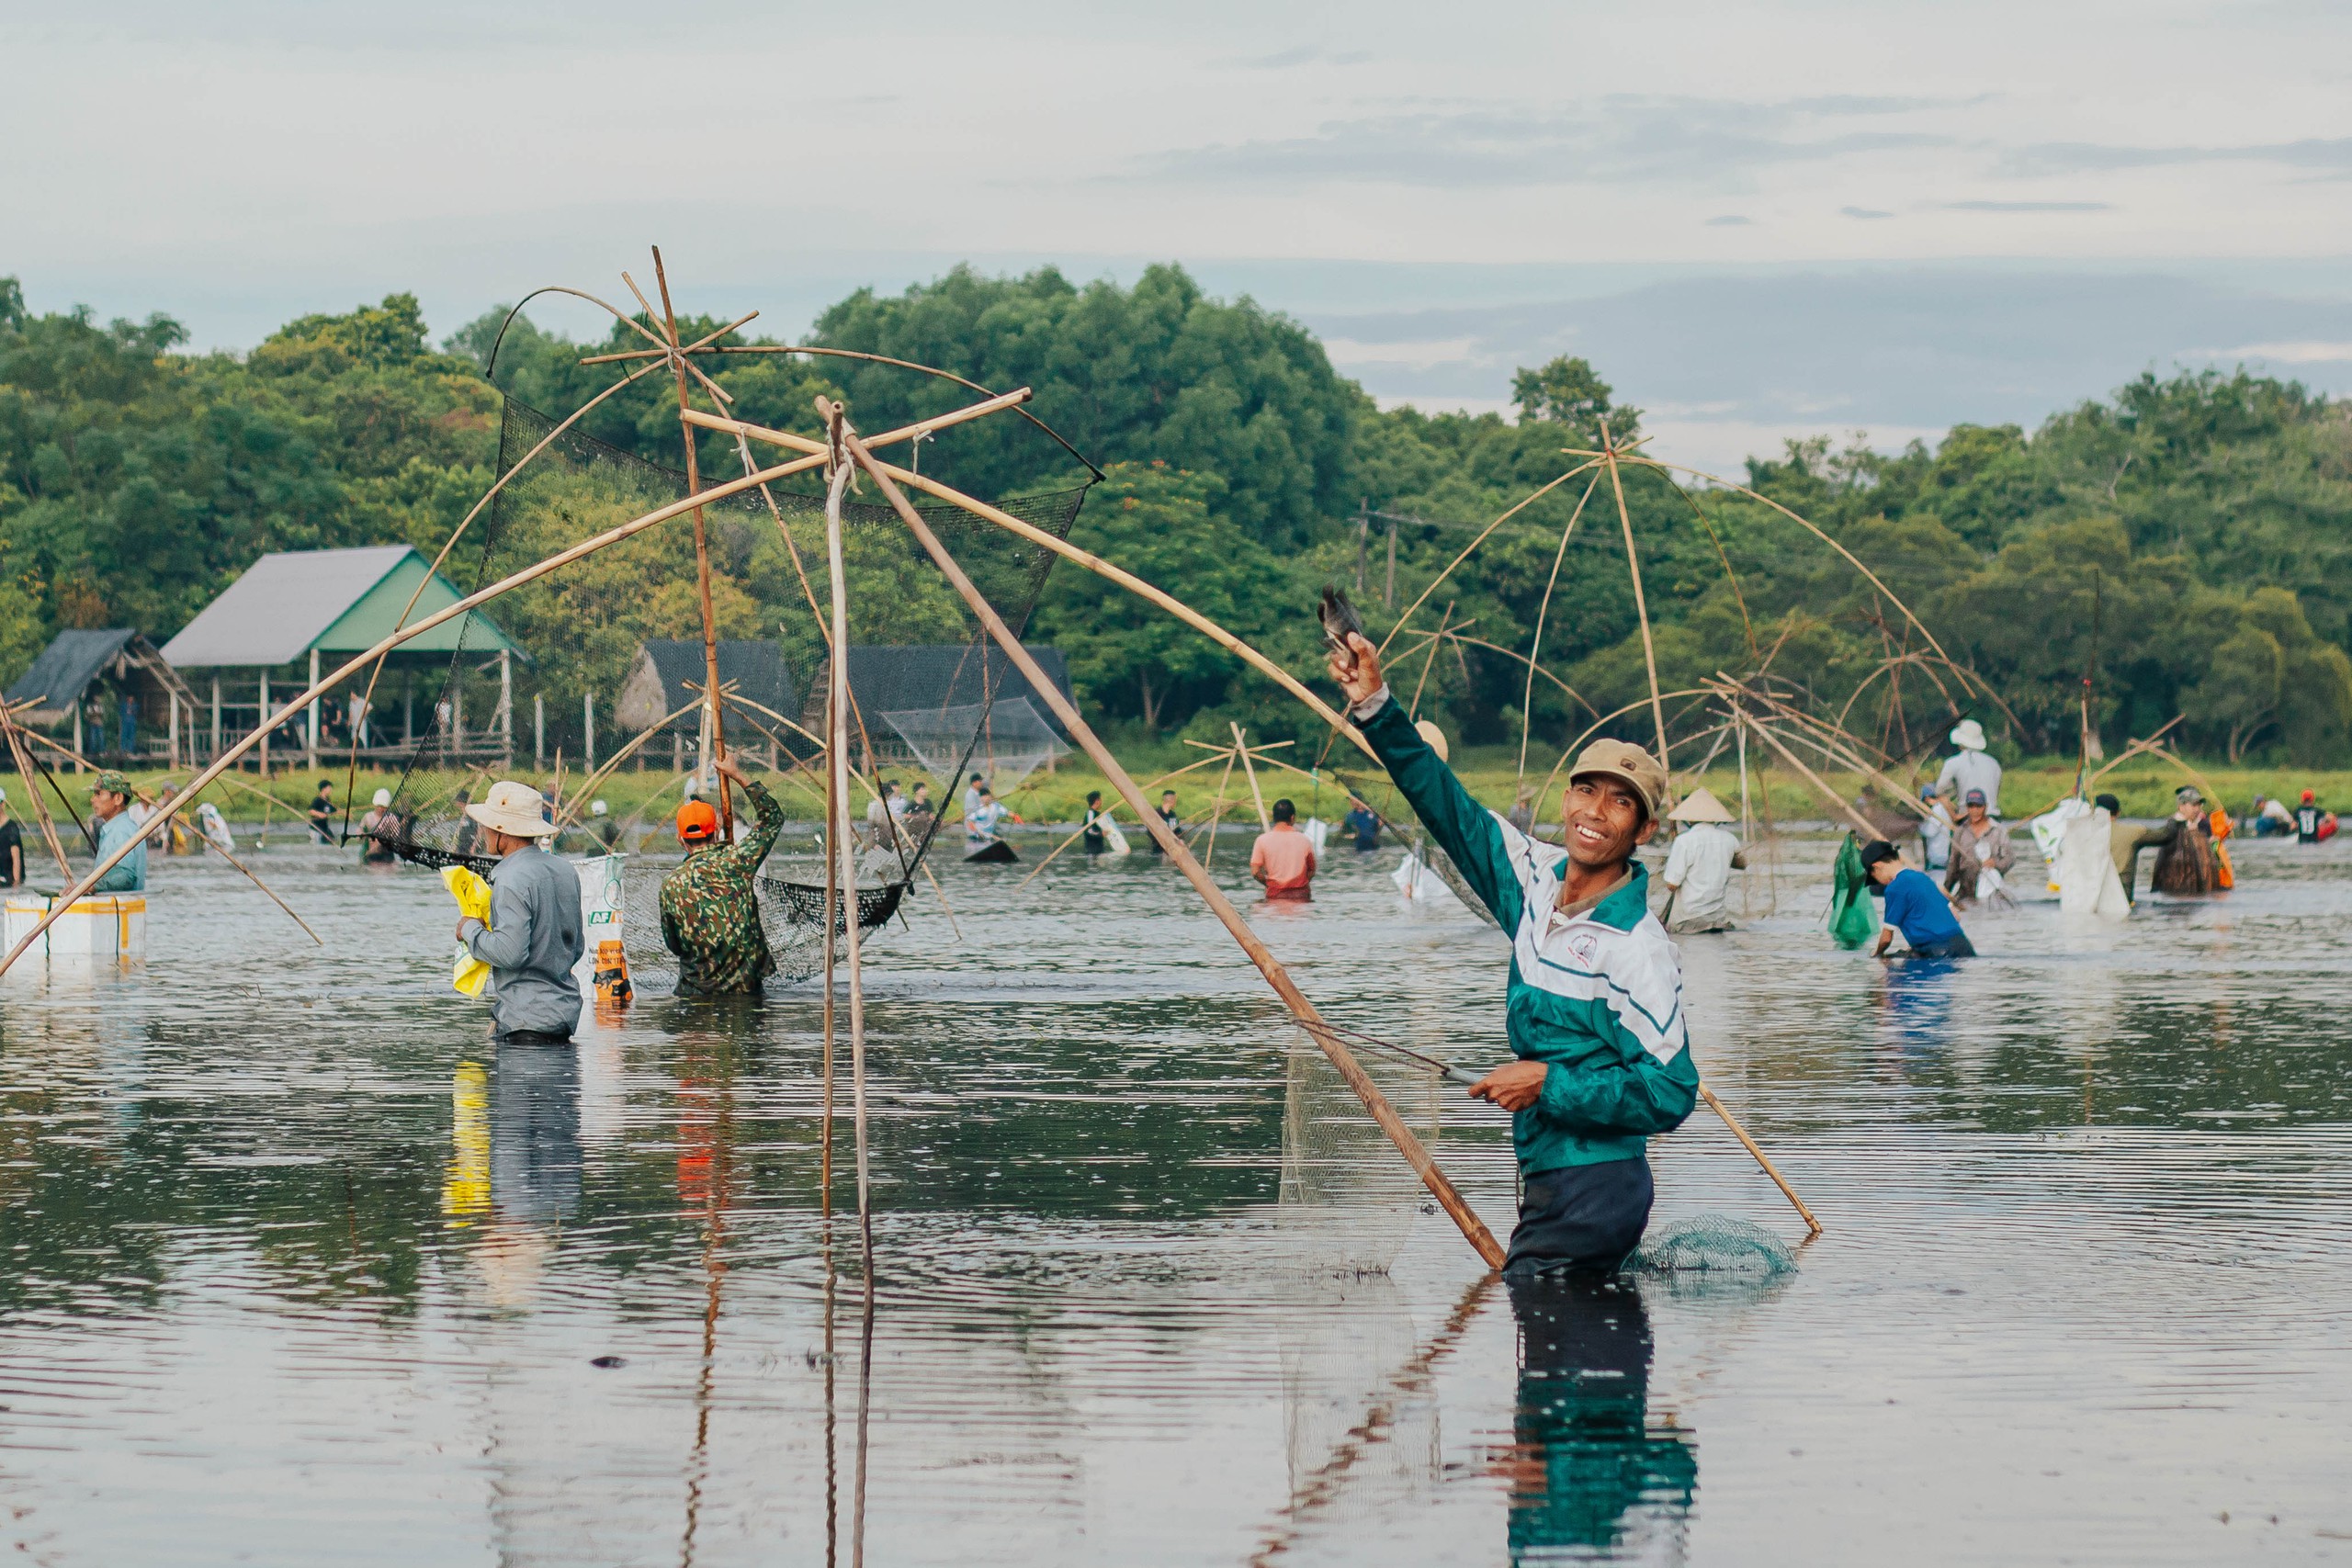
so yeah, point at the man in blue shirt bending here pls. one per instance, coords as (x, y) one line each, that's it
(1593, 1007)
(1914, 906)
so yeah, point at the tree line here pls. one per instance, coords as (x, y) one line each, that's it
(2182, 543)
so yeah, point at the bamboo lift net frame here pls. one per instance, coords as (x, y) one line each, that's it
(571, 476)
(843, 456)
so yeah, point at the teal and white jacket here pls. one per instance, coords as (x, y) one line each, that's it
(1597, 996)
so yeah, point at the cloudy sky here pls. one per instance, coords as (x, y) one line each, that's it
(1757, 220)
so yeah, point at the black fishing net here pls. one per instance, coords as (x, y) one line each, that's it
(564, 647)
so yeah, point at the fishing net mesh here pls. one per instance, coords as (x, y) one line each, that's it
(575, 632)
(1714, 1244)
(1348, 1200)
(1004, 741)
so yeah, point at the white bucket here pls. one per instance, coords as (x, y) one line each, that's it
(600, 912)
(106, 925)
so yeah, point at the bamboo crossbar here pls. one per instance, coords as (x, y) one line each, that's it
(1537, 495)
(1012, 400)
(1764, 731)
(1100, 568)
(328, 683)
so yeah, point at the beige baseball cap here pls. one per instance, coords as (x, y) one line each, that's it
(1623, 761)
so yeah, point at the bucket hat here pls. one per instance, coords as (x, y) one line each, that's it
(512, 808)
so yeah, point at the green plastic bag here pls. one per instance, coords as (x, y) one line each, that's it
(1852, 920)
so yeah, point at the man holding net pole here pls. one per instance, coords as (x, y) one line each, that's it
(710, 910)
(1594, 1011)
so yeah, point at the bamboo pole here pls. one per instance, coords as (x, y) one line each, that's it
(994, 404)
(1301, 1010)
(702, 560)
(1764, 733)
(22, 756)
(1812, 1225)
(1217, 815)
(832, 918)
(1103, 568)
(274, 899)
(841, 825)
(1250, 772)
(1641, 603)
(399, 635)
(1535, 643)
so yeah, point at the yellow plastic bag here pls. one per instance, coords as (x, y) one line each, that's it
(473, 895)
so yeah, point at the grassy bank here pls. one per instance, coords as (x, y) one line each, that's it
(2144, 787)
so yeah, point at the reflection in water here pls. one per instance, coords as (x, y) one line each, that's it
(1914, 1002)
(514, 1171)
(2085, 1200)
(535, 1136)
(1589, 1472)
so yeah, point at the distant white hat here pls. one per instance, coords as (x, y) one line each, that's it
(694, 786)
(596, 809)
(383, 798)
(1968, 735)
(1700, 805)
(513, 808)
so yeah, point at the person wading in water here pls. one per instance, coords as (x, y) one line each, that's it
(710, 910)
(1595, 998)
(534, 936)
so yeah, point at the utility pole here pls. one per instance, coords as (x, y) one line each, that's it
(1389, 594)
(1364, 537)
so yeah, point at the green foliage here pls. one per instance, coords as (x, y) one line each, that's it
(2187, 543)
(136, 483)
(1567, 391)
(1156, 372)
(1165, 525)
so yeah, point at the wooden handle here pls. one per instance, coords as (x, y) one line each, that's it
(1813, 1226)
(1451, 1200)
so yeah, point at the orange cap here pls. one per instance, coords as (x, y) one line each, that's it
(696, 819)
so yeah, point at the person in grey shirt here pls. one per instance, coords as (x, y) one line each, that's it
(1970, 767)
(534, 936)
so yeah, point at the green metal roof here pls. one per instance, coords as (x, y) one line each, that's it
(342, 602)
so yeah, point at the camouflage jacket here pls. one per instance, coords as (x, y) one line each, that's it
(710, 910)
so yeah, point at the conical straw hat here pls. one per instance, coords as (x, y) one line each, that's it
(1700, 805)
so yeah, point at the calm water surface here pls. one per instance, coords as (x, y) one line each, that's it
(300, 1270)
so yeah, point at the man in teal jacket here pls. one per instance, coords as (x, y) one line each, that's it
(1594, 1010)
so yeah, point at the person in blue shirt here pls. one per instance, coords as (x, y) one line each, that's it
(110, 808)
(1363, 824)
(1914, 906)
